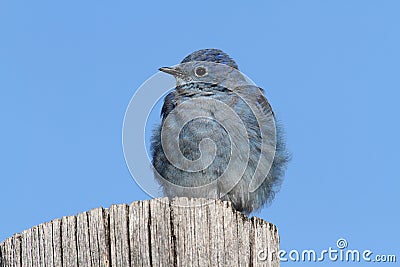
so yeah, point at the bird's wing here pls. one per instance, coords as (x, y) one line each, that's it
(255, 94)
(262, 110)
(169, 104)
(263, 102)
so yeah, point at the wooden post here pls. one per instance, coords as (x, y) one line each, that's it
(183, 232)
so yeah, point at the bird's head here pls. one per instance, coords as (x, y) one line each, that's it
(206, 65)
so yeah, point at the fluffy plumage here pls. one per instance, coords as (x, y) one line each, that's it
(227, 86)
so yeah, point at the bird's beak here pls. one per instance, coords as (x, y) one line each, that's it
(173, 71)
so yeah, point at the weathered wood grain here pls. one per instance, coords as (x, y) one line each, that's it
(119, 235)
(99, 237)
(157, 232)
(57, 243)
(69, 242)
(139, 233)
(11, 251)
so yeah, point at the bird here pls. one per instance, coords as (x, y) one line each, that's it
(218, 137)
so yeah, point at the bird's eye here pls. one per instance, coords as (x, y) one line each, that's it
(200, 71)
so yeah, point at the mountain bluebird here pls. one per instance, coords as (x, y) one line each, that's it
(218, 137)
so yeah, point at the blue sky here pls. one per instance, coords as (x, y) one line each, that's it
(329, 68)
